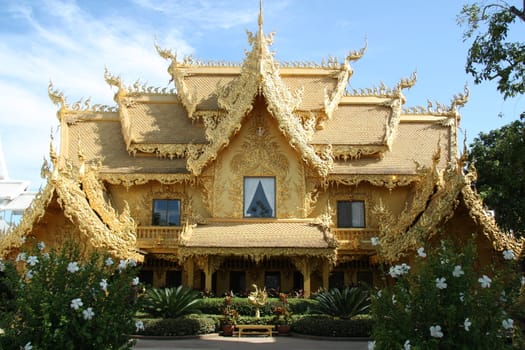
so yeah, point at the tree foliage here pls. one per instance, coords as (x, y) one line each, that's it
(493, 55)
(499, 157)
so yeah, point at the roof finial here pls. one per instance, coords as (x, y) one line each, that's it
(260, 17)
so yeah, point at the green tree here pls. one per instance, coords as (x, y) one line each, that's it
(493, 55)
(499, 157)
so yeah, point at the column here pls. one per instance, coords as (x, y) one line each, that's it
(190, 272)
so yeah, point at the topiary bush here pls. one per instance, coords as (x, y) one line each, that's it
(62, 300)
(449, 302)
(182, 326)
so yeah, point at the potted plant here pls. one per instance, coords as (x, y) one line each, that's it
(283, 315)
(230, 317)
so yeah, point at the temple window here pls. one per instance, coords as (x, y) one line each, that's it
(351, 214)
(166, 212)
(259, 197)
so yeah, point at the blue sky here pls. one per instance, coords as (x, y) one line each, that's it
(71, 42)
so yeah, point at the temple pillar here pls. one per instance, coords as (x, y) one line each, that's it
(326, 274)
(307, 288)
(190, 272)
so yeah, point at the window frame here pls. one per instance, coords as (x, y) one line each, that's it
(245, 200)
(154, 200)
(351, 213)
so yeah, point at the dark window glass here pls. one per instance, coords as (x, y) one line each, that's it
(259, 197)
(350, 214)
(238, 281)
(166, 212)
(272, 281)
(173, 278)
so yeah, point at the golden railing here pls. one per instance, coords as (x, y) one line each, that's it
(155, 236)
(354, 238)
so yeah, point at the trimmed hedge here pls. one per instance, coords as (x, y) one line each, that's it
(189, 325)
(214, 306)
(329, 327)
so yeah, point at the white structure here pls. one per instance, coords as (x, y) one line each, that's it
(15, 197)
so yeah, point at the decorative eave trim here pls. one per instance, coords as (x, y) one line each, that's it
(388, 181)
(130, 180)
(258, 254)
(346, 152)
(162, 150)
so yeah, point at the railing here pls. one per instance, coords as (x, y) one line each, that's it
(354, 238)
(155, 236)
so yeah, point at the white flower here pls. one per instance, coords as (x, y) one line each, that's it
(421, 252)
(76, 303)
(20, 257)
(467, 324)
(522, 280)
(41, 245)
(122, 265)
(88, 313)
(32, 260)
(73, 267)
(135, 281)
(508, 255)
(398, 270)
(462, 297)
(371, 345)
(28, 346)
(407, 345)
(443, 261)
(435, 331)
(485, 281)
(104, 285)
(394, 299)
(109, 262)
(441, 283)
(139, 325)
(23, 240)
(458, 271)
(29, 274)
(2, 267)
(508, 323)
(374, 240)
(132, 262)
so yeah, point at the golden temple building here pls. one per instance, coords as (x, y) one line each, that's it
(262, 173)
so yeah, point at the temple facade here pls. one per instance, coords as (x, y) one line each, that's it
(263, 172)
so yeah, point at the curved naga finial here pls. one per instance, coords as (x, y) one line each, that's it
(461, 99)
(356, 55)
(55, 95)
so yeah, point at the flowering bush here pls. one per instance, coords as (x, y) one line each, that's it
(230, 315)
(448, 302)
(60, 301)
(282, 313)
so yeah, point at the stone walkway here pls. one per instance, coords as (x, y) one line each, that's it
(216, 342)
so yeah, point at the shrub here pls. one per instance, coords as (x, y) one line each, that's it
(187, 325)
(172, 302)
(344, 303)
(329, 327)
(62, 301)
(448, 303)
